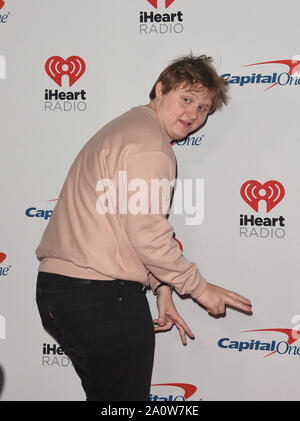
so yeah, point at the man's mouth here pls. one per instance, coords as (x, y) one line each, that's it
(185, 124)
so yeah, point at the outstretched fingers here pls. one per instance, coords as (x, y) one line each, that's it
(183, 330)
(238, 301)
(180, 324)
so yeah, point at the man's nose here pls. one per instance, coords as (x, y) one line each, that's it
(193, 113)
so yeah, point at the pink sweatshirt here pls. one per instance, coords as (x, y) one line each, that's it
(83, 242)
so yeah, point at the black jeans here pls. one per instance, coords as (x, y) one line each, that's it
(105, 328)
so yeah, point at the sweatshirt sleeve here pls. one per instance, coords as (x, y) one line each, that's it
(148, 228)
(153, 281)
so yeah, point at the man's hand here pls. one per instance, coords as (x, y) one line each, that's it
(215, 299)
(168, 315)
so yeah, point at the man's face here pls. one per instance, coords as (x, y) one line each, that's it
(183, 110)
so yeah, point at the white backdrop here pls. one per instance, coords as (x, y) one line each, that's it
(255, 138)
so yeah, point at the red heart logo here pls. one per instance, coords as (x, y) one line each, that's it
(2, 257)
(169, 2)
(74, 67)
(2, 3)
(154, 3)
(252, 191)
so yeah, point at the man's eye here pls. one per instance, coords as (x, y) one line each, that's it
(186, 100)
(204, 109)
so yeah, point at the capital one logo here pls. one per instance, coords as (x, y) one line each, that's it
(282, 347)
(179, 391)
(4, 270)
(293, 68)
(289, 75)
(272, 192)
(2, 67)
(56, 67)
(167, 3)
(3, 15)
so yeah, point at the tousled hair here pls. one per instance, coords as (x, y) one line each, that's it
(193, 71)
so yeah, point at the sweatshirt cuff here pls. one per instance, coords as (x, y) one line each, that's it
(200, 289)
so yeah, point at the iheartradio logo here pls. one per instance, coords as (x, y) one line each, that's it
(56, 100)
(56, 67)
(272, 192)
(252, 226)
(163, 22)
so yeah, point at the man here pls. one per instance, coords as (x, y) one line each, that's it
(109, 236)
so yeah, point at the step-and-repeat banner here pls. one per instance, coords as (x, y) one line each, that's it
(66, 69)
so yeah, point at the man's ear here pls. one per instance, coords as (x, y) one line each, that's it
(158, 90)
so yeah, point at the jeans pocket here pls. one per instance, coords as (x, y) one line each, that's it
(82, 327)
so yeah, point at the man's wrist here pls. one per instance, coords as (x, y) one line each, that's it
(161, 287)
